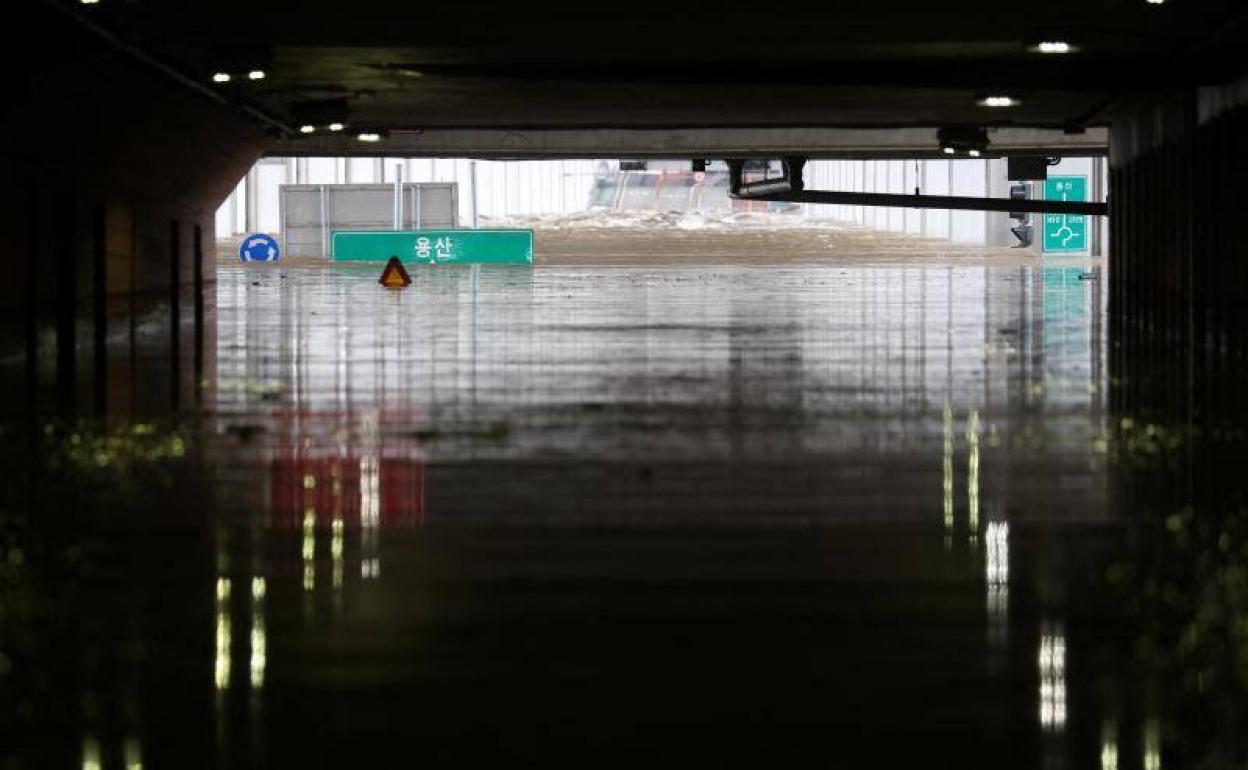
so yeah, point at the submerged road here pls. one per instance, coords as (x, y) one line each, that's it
(857, 515)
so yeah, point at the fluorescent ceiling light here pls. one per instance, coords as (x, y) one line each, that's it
(336, 126)
(255, 75)
(307, 129)
(221, 77)
(998, 100)
(369, 137)
(1053, 47)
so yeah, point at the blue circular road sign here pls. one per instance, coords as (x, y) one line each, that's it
(259, 248)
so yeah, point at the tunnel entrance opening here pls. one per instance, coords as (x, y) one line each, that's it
(306, 200)
(767, 437)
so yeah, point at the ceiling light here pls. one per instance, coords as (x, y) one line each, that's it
(255, 75)
(89, 2)
(325, 114)
(1053, 47)
(369, 137)
(221, 77)
(307, 129)
(955, 140)
(998, 100)
(1155, 2)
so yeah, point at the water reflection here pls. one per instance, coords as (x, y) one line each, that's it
(1109, 745)
(132, 754)
(258, 655)
(972, 475)
(947, 478)
(309, 549)
(1152, 744)
(224, 639)
(997, 582)
(1052, 666)
(710, 385)
(791, 504)
(92, 759)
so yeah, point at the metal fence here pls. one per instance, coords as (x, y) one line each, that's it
(310, 213)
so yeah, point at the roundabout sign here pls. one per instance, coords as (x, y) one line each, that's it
(259, 248)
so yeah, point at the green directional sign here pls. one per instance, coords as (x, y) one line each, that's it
(434, 247)
(1065, 233)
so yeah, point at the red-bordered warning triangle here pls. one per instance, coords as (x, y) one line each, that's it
(395, 275)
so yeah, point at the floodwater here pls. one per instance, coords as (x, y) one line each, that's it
(859, 515)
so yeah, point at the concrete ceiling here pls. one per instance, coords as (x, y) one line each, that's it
(494, 64)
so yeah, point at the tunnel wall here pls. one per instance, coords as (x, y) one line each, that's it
(113, 170)
(1179, 258)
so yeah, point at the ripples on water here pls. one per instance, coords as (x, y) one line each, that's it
(578, 515)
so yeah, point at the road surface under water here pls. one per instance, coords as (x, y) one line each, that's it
(859, 515)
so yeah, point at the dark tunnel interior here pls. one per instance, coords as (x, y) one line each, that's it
(820, 493)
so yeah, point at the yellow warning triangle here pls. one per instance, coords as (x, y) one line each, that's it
(395, 275)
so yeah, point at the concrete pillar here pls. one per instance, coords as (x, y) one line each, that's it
(91, 246)
(175, 311)
(472, 182)
(99, 308)
(1178, 258)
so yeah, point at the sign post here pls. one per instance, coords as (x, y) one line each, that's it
(435, 247)
(1065, 233)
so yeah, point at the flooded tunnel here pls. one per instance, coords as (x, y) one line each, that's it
(867, 393)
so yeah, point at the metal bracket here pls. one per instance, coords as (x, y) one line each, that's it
(790, 181)
(789, 189)
(922, 201)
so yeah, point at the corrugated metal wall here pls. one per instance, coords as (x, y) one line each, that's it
(932, 177)
(503, 188)
(310, 213)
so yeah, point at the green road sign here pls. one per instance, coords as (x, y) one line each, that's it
(1065, 233)
(434, 247)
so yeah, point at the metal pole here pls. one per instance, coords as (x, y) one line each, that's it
(398, 197)
(472, 180)
(324, 228)
(251, 200)
(920, 182)
(1097, 184)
